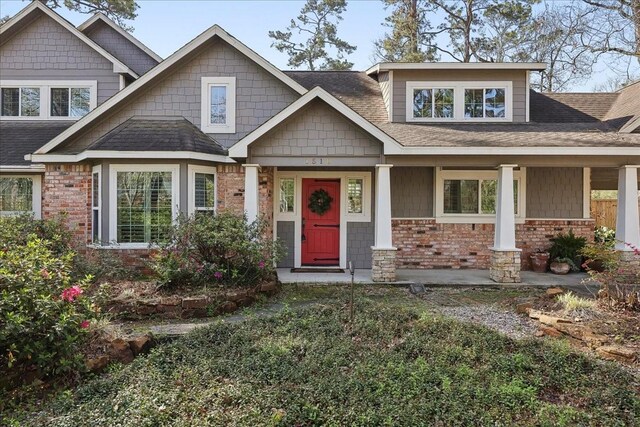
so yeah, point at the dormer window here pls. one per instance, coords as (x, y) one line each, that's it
(484, 103)
(433, 103)
(218, 113)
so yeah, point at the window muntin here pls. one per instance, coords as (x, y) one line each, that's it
(473, 196)
(205, 191)
(16, 194)
(20, 102)
(218, 104)
(433, 103)
(144, 203)
(287, 195)
(355, 195)
(485, 103)
(70, 102)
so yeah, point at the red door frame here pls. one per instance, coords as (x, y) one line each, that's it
(320, 234)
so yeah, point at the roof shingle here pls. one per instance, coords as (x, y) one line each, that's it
(18, 139)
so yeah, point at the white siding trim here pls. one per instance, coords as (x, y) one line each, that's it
(388, 66)
(229, 83)
(586, 193)
(527, 96)
(104, 154)
(97, 170)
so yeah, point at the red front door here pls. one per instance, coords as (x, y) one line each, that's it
(321, 233)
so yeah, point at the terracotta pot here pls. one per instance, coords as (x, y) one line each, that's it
(560, 267)
(539, 261)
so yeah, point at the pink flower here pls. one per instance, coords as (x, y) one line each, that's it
(261, 264)
(71, 293)
(217, 275)
(84, 324)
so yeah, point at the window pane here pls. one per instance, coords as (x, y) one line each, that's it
(30, 105)
(443, 103)
(473, 99)
(16, 194)
(494, 103)
(10, 101)
(79, 101)
(422, 103)
(460, 196)
(205, 190)
(94, 226)
(144, 205)
(218, 105)
(94, 189)
(60, 102)
(287, 195)
(354, 193)
(489, 191)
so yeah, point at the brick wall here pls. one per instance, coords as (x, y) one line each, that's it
(67, 189)
(230, 188)
(425, 244)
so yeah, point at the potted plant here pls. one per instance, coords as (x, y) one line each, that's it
(562, 266)
(539, 261)
(567, 249)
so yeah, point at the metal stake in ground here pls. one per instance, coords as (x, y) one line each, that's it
(352, 270)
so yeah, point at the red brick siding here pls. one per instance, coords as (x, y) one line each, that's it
(230, 188)
(424, 244)
(67, 190)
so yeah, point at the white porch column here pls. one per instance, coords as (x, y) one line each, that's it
(627, 220)
(505, 257)
(251, 202)
(383, 253)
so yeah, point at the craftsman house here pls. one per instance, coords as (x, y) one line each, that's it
(405, 165)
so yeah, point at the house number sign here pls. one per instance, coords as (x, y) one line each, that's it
(318, 161)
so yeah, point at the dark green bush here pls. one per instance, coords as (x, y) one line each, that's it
(16, 230)
(223, 248)
(567, 246)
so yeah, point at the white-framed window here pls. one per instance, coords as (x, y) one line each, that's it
(143, 202)
(357, 190)
(287, 195)
(202, 189)
(464, 196)
(459, 101)
(218, 98)
(96, 204)
(47, 100)
(20, 194)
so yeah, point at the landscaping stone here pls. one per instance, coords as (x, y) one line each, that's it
(171, 301)
(524, 308)
(169, 309)
(615, 352)
(268, 288)
(417, 288)
(141, 344)
(236, 296)
(195, 302)
(552, 292)
(550, 331)
(191, 313)
(552, 320)
(145, 310)
(535, 314)
(227, 307)
(120, 351)
(97, 364)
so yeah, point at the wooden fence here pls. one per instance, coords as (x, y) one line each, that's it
(604, 212)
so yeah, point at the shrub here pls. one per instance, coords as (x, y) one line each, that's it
(16, 230)
(42, 311)
(606, 236)
(567, 246)
(222, 248)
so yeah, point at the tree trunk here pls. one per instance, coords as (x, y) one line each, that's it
(413, 25)
(635, 8)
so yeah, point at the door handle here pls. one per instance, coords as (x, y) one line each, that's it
(327, 225)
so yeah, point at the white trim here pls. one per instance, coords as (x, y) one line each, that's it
(383, 229)
(176, 57)
(459, 88)
(296, 217)
(191, 188)
(240, 149)
(388, 66)
(96, 170)
(99, 16)
(519, 175)
(505, 229)
(251, 191)
(113, 193)
(586, 193)
(122, 83)
(21, 168)
(520, 151)
(229, 83)
(118, 66)
(527, 96)
(627, 218)
(45, 87)
(108, 154)
(36, 194)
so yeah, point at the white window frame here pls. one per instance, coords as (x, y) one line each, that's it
(96, 170)
(519, 175)
(286, 216)
(458, 99)
(205, 112)
(36, 195)
(113, 195)
(192, 171)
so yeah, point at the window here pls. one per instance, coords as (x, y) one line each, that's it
(143, 203)
(484, 103)
(470, 196)
(355, 190)
(42, 100)
(202, 189)
(287, 195)
(21, 102)
(446, 101)
(20, 194)
(433, 103)
(218, 104)
(70, 102)
(96, 195)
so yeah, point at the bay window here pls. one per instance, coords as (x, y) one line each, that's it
(20, 194)
(218, 99)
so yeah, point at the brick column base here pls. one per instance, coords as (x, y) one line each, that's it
(505, 266)
(383, 267)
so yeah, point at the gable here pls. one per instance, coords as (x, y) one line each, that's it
(259, 95)
(120, 46)
(45, 50)
(316, 131)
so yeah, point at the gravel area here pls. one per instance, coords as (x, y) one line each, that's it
(508, 323)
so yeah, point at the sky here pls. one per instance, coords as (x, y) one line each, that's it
(165, 26)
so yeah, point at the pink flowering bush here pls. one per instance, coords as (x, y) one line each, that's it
(44, 312)
(217, 249)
